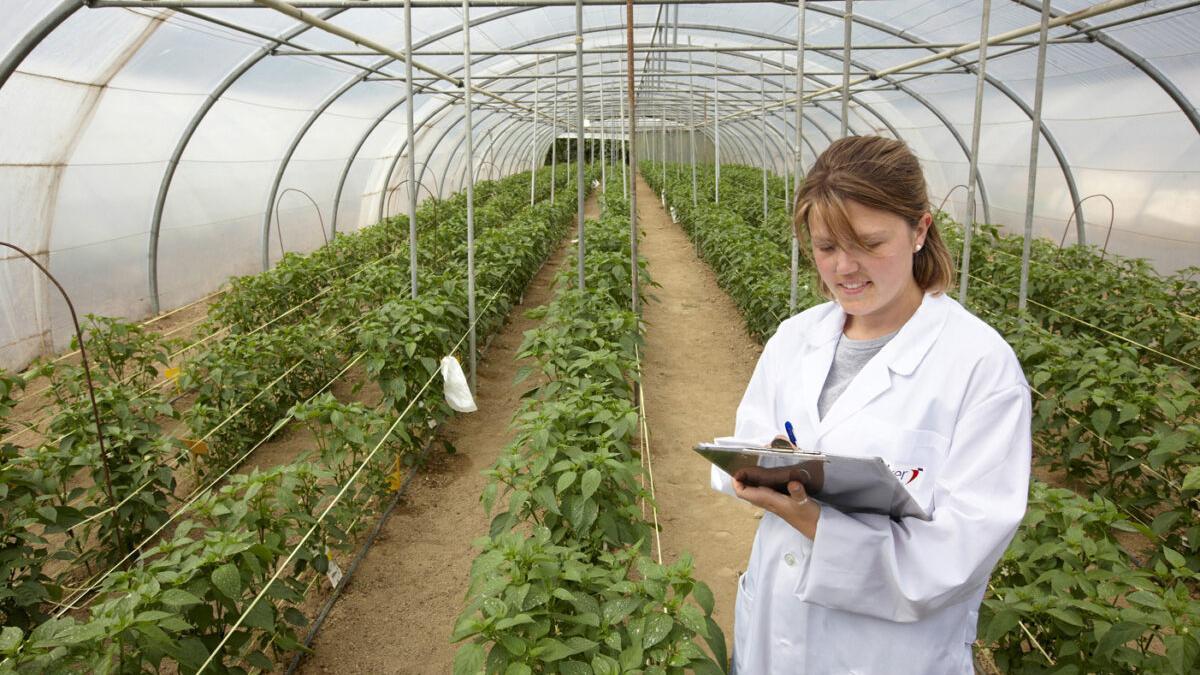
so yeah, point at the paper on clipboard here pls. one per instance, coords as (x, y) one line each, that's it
(853, 484)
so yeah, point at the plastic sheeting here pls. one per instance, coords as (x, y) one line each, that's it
(91, 118)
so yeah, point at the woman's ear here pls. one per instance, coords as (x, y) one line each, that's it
(921, 230)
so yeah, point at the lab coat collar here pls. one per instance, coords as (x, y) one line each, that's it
(901, 355)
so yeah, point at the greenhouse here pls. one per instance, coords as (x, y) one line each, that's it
(377, 336)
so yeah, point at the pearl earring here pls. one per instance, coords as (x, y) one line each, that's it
(919, 248)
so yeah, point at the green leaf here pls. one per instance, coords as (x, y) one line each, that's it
(574, 668)
(512, 643)
(518, 620)
(658, 626)
(1145, 599)
(261, 616)
(1192, 480)
(259, 660)
(469, 659)
(564, 481)
(1118, 635)
(1068, 616)
(1101, 419)
(1000, 624)
(177, 597)
(228, 581)
(589, 483)
(605, 665)
(703, 595)
(10, 637)
(555, 650)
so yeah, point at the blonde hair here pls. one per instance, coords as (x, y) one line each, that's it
(879, 173)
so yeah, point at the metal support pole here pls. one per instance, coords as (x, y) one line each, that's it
(633, 222)
(762, 89)
(580, 188)
(626, 138)
(537, 66)
(466, 12)
(554, 136)
(847, 26)
(692, 122)
(602, 126)
(716, 143)
(1035, 140)
(969, 226)
(794, 281)
(412, 151)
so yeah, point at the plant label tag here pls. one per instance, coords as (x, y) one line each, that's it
(334, 574)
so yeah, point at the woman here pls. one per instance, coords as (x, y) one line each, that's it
(893, 368)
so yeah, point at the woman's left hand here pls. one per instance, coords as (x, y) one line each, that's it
(794, 508)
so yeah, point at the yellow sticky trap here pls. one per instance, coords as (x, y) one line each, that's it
(198, 448)
(173, 374)
(396, 477)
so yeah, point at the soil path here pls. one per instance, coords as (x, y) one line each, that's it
(397, 614)
(698, 360)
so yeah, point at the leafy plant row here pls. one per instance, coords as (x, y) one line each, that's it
(563, 583)
(1065, 580)
(1110, 414)
(271, 532)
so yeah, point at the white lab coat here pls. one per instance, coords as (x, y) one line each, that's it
(868, 594)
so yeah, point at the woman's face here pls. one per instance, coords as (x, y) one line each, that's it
(875, 285)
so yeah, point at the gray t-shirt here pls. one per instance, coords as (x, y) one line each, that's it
(850, 357)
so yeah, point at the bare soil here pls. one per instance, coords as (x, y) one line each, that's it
(698, 360)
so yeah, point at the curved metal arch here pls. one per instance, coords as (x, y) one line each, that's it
(1059, 155)
(784, 148)
(564, 35)
(518, 67)
(787, 122)
(491, 116)
(32, 38)
(790, 125)
(904, 89)
(357, 79)
(1138, 61)
(705, 27)
(862, 104)
(185, 138)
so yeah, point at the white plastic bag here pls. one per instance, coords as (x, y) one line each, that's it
(458, 393)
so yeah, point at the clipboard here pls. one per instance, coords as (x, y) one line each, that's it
(852, 484)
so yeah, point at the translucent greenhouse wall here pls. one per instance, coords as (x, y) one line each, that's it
(96, 112)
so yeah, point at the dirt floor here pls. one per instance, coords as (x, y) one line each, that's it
(397, 614)
(698, 360)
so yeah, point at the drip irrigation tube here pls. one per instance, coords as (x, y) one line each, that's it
(362, 553)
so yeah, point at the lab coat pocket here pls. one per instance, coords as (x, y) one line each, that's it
(743, 613)
(916, 457)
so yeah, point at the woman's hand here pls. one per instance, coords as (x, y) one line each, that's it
(795, 508)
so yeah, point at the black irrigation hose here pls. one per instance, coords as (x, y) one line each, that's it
(362, 553)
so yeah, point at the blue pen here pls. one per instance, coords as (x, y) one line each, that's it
(791, 434)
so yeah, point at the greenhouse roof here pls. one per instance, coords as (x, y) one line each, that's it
(148, 149)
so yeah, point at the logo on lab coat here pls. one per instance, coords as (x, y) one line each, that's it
(907, 476)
